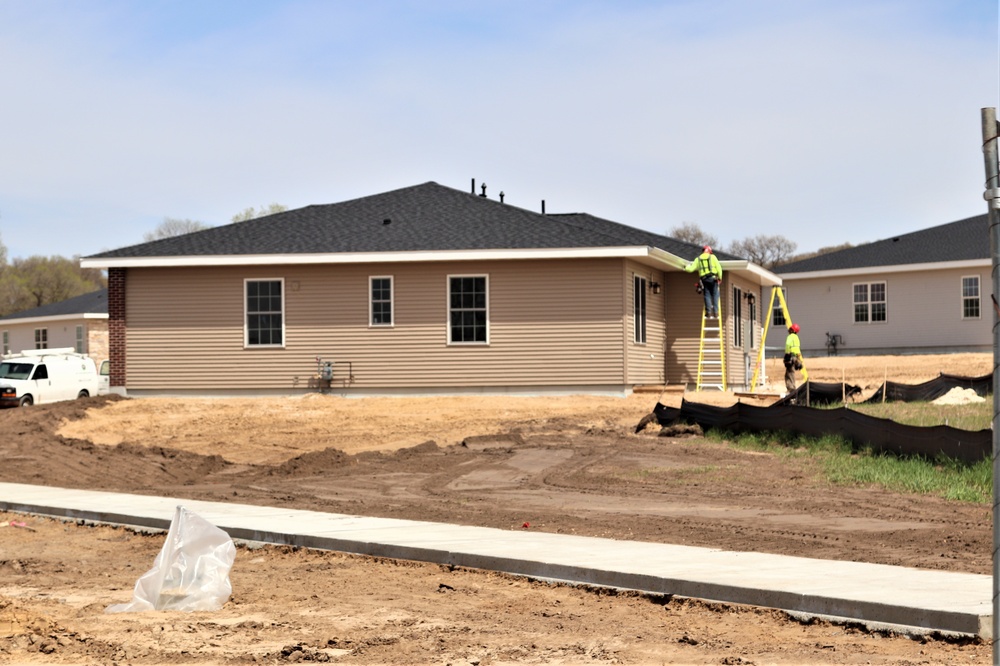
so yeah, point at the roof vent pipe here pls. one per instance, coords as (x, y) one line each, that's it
(501, 197)
(473, 186)
(543, 206)
(483, 186)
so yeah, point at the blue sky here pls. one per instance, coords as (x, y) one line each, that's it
(824, 122)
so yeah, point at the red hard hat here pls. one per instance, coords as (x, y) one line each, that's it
(708, 248)
(794, 328)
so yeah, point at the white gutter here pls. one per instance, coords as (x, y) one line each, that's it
(667, 259)
(766, 277)
(52, 318)
(898, 268)
(362, 257)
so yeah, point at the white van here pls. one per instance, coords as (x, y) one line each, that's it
(47, 375)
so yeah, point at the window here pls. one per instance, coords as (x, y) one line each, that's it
(6, 342)
(970, 297)
(467, 309)
(265, 320)
(870, 303)
(79, 339)
(752, 306)
(41, 372)
(737, 317)
(639, 307)
(381, 301)
(777, 314)
(41, 338)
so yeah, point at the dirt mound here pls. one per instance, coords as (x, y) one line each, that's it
(568, 465)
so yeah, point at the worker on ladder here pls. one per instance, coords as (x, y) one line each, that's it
(710, 273)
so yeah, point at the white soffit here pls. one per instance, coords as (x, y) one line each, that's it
(370, 257)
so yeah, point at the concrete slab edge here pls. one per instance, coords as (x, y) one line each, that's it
(869, 614)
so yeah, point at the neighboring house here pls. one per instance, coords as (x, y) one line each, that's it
(420, 290)
(922, 292)
(80, 322)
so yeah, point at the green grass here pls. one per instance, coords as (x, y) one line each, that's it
(973, 416)
(841, 463)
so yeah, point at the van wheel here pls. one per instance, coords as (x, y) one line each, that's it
(83, 394)
(26, 401)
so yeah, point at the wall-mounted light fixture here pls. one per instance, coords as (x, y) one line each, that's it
(655, 286)
(751, 299)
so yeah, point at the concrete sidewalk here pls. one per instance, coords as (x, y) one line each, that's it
(873, 594)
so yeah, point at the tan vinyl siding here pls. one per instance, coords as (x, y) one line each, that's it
(924, 313)
(683, 326)
(646, 361)
(551, 323)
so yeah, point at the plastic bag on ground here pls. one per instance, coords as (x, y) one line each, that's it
(191, 571)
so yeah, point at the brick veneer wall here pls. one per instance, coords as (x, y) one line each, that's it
(116, 325)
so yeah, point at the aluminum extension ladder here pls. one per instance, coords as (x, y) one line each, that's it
(711, 358)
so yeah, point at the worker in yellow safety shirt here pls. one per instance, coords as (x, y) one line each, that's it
(793, 357)
(710, 274)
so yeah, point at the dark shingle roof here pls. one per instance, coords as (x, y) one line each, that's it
(956, 241)
(96, 302)
(427, 217)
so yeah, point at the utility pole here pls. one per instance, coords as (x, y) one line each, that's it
(992, 196)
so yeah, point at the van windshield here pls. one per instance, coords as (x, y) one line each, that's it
(15, 370)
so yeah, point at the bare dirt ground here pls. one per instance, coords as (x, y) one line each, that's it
(568, 465)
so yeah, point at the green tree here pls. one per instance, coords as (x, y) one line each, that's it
(171, 227)
(36, 281)
(689, 232)
(250, 213)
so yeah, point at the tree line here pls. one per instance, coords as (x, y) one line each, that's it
(37, 280)
(769, 251)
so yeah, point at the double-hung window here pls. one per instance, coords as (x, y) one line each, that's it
(380, 304)
(870, 304)
(970, 297)
(41, 338)
(468, 309)
(639, 308)
(265, 313)
(737, 317)
(79, 340)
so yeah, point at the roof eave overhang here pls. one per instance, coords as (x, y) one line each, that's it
(52, 318)
(651, 256)
(882, 270)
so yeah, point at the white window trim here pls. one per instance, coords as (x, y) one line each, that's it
(6, 342)
(246, 330)
(45, 334)
(642, 288)
(962, 297)
(81, 339)
(869, 302)
(736, 306)
(392, 301)
(447, 295)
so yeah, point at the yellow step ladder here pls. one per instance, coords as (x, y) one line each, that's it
(711, 359)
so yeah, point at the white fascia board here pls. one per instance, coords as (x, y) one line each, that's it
(366, 257)
(766, 277)
(898, 268)
(51, 318)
